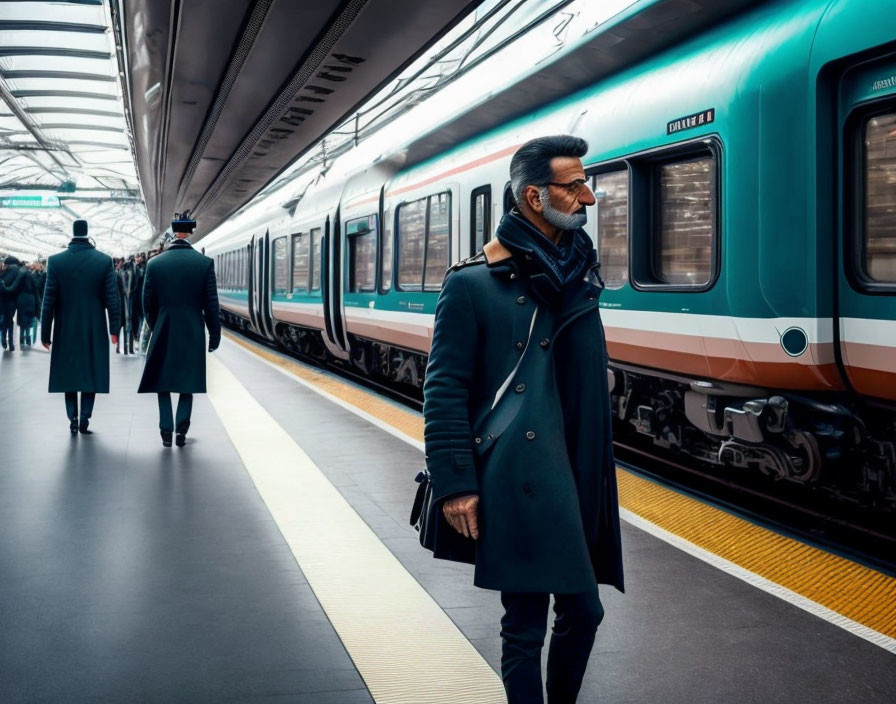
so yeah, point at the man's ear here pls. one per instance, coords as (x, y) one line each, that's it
(532, 196)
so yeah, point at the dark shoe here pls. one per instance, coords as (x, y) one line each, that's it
(82, 427)
(166, 437)
(73, 426)
(180, 439)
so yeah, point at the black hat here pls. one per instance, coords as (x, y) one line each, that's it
(183, 222)
(79, 228)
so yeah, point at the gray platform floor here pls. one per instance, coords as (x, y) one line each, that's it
(133, 573)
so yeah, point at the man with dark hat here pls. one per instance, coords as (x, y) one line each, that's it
(180, 297)
(518, 422)
(80, 292)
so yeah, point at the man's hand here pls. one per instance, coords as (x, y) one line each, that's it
(461, 514)
(114, 339)
(46, 345)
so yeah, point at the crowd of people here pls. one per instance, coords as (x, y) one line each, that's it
(22, 290)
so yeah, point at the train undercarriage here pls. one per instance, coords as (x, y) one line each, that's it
(843, 447)
(830, 443)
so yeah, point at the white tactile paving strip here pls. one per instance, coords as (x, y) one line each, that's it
(404, 645)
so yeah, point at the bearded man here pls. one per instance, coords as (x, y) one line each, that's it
(518, 422)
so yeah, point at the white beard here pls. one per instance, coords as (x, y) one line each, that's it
(564, 221)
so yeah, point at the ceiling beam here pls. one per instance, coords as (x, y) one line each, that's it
(73, 111)
(53, 51)
(61, 75)
(62, 94)
(50, 26)
(79, 126)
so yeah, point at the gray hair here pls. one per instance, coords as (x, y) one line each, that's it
(531, 165)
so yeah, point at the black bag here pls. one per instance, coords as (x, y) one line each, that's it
(436, 534)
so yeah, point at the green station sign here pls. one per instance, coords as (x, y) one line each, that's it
(29, 201)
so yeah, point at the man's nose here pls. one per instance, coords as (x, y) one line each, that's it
(586, 196)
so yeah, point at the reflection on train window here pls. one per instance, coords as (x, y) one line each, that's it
(362, 235)
(879, 246)
(438, 241)
(299, 263)
(281, 267)
(685, 222)
(411, 232)
(480, 217)
(611, 194)
(315, 259)
(386, 254)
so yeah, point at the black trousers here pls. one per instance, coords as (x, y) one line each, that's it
(7, 331)
(71, 404)
(184, 411)
(523, 629)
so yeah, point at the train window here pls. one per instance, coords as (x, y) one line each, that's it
(480, 218)
(411, 242)
(424, 242)
(684, 221)
(299, 263)
(386, 255)
(315, 259)
(438, 241)
(611, 193)
(878, 257)
(281, 267)
(362, 235)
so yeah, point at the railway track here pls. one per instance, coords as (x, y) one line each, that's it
(811, 517)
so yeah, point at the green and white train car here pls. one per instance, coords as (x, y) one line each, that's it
(746, 223)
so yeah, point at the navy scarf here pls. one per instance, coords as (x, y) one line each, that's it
(551, 268)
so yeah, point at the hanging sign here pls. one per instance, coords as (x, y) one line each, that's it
(29, 201)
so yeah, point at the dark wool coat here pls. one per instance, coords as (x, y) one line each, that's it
(26, 300)
(540, 456)
(180, 299)
(10, 282)
(80, 290)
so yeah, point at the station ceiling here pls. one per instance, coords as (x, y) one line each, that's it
(223, 95)
(64, 146)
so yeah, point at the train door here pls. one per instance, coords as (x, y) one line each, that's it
(250, 284)
(335, 336)
(260, 287)
(867, 234)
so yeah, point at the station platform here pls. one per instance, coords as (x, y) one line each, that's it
(270, 559)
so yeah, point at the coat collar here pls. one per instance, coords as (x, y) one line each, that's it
(80, 242)
(180, 244)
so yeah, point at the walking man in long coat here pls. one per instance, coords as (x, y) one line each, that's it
(518, 424)
(180, 300)
(80, 292)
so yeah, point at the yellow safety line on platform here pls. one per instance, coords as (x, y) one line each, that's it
(859, 593)
(404, 645)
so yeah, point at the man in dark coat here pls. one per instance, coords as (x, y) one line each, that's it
(79, 293)
(180, 299)
(518, 423)
(10, 283)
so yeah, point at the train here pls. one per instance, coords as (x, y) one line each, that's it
(746, 227)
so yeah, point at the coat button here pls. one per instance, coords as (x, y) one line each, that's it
(545, 343)
(530, 435)
(521, 300)
(512, 277)
(527, 488)
(519, 345)
(520, 388)
(477, 440)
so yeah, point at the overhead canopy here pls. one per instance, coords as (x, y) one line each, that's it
(64, 148)
(226, 94)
